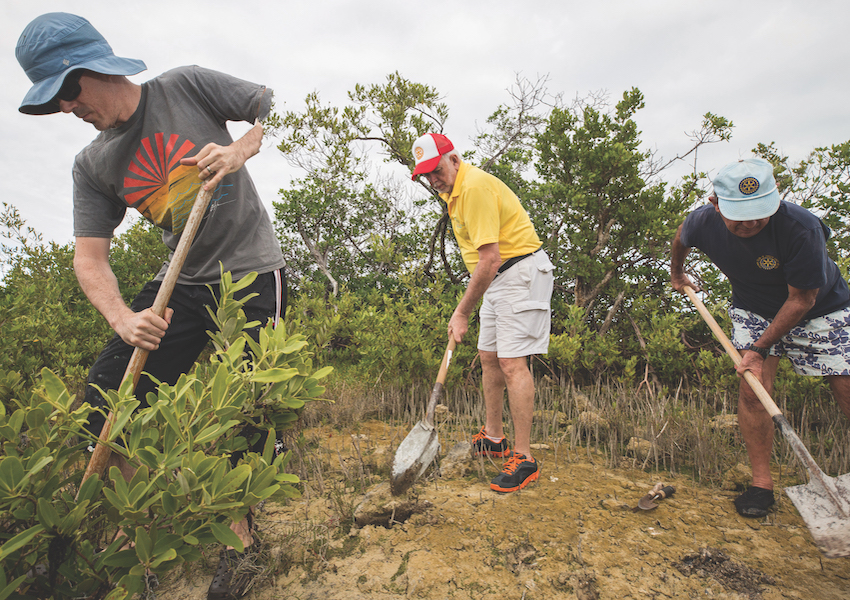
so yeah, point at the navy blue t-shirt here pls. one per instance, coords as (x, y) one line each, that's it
(790, 250)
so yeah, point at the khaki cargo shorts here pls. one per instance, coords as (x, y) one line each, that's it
(516, 312)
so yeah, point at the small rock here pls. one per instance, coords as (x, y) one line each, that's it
(725, 423)
(457, 462)
(639, 448)
(612, 504)
(552, 416)
(442, 412)
(590, 423)
(540, 446)
(380, 507)
(581, 402)
(737, 478)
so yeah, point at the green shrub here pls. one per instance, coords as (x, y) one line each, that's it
(184, 493)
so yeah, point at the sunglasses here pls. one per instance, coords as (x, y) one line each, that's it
(70, 87)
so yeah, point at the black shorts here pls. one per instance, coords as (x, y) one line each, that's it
(184, 340)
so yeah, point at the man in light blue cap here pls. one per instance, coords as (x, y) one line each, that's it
(788, 298)
(159, 143)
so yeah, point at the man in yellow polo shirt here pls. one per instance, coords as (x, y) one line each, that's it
(514, 277)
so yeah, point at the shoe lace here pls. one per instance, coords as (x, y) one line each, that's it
(513, 463)
(479, 436)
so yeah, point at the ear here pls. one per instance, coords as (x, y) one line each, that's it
(455, 160)
(713, 200)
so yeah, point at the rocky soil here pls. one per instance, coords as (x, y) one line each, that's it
(572, 535)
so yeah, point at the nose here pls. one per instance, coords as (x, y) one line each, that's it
(66, 106)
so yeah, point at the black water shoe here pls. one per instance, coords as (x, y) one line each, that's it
(754, 502)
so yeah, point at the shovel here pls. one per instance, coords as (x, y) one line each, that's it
(659, 492)
(101, 453)
(422, 444)
(824, 502)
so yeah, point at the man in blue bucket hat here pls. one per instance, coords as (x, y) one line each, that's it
(788, 298)
(159, 143)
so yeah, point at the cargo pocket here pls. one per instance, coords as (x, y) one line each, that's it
(534, 316)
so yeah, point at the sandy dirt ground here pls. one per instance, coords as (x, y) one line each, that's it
(573, 534)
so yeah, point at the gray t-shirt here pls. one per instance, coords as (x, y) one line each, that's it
(138, 165)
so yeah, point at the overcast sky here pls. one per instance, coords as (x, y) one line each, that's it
(777, 69)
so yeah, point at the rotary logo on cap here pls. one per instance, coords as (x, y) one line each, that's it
(419, 152)
(748, 185)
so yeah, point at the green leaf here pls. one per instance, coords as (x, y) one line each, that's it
(120, 418)
(35, 418)
(166, 410)
(169, 503)
(10, 589)
(11, 471)
(232, 480)
(273, 375)
(20, 540)
(225, 536)
(124, 558)
(219, 385)
(89, 488)
(56, 390)
(322, 373)
(166, 556)
(46, 514)
(144, 545)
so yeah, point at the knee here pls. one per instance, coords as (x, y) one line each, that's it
(514, 368)
(489, 360)
(747, 399)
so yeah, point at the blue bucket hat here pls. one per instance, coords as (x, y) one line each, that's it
(746, 190)
(56, 44)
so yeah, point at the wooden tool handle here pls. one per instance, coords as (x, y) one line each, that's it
(437, 391)
(751, 379)
(101, 453)
(665, 492)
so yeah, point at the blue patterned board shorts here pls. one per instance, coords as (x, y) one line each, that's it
(818, 347)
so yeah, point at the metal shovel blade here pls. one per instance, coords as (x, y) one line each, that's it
(413, 456)
(817, 505)
(422, 444)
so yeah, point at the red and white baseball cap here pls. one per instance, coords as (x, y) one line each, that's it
(428, 150)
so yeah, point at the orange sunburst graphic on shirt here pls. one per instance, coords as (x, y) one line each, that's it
(158, 186)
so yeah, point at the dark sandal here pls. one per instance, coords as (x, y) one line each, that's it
(235, 575)
(754, 502)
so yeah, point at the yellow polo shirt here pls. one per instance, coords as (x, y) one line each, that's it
(484, 210)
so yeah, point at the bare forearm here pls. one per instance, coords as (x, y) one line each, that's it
(249, 144)
(482, 277)
(143, 329)
(478, 284)
(678, 253)
(101, 288)
(794, 309)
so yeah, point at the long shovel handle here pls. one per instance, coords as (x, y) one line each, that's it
(101, 453)
(437, 391)
(755, 384)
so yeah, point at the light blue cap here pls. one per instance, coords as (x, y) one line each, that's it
(55, 44)
(746, 190)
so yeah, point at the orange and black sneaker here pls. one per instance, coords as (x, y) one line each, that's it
(517, 473)
(484, 446)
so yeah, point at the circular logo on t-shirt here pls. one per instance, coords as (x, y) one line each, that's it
(419, 152)
(748, 185)
(767, 263)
